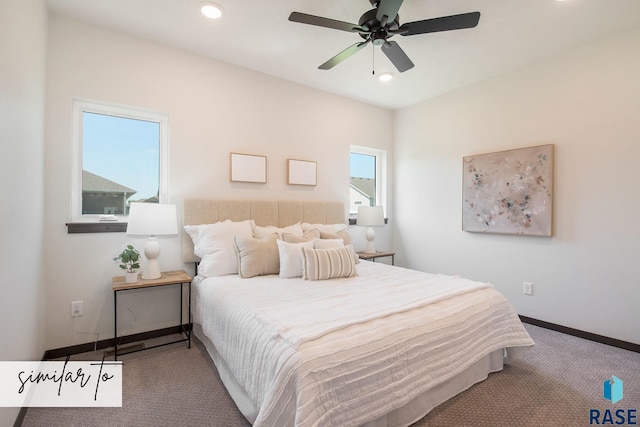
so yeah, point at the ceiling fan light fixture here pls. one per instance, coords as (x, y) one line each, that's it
(211, 10)
(385, 77)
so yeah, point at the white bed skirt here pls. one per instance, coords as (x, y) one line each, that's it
(407, 415)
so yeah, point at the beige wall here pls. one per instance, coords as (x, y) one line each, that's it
(214, 108)
(586, 103)
(23, 30)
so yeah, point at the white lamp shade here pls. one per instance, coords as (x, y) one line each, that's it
(370, 216)
(152, 219)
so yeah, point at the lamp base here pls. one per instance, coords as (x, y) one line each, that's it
(371, 235)
(152, 251)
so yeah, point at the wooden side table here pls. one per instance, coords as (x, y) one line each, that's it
(179, 278)
(373, 256)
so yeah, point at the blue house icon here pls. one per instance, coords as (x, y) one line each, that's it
(613, 389)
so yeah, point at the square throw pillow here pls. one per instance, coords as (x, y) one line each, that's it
(324, 228)
(291, 257)
(257, 257)
(322, 264)
(214, 244)
(328, 243)
(260, 232)
(342, 234)
(293, 238)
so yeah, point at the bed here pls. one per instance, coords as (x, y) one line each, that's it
(377, 346)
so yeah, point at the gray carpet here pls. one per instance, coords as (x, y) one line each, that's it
(554, 384)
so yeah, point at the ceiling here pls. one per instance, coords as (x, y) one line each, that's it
(256, 34)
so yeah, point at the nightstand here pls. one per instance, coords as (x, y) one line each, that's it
(168, 278)
(373, 256)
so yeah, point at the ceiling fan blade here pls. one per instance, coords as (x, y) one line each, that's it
(343, 55)
(444, 23)
(388, 8)
(397, 56)
(319, 21)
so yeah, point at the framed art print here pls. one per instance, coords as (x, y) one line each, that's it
(248, 168)
(301, 172)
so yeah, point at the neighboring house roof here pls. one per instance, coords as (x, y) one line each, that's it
(96, 184)
(365, 186)
(153, 199)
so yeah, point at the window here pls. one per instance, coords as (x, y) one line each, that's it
(120, 156)
(367, 180)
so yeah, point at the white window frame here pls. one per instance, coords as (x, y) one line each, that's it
(81, 106)
(381, 173)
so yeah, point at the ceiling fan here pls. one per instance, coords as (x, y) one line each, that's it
(381, 23)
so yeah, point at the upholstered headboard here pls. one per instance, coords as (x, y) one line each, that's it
(263, 212)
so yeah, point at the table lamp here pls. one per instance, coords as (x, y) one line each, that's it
(370, 216)
(152, 219)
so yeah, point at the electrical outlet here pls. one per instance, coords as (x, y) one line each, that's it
(76, 308)
(528, 288)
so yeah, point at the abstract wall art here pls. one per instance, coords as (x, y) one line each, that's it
(509, 192)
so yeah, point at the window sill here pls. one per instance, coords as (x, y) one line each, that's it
(96, 227)
(352, 221)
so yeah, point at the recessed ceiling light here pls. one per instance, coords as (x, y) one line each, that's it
(211, 10)
(385, 77)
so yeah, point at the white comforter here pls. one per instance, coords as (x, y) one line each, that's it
(346, 351)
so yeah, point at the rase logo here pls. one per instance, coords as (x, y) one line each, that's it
(613, 391)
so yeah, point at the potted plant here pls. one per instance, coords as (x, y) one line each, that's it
(129, 258)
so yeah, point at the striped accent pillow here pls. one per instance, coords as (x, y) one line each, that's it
(321, 264)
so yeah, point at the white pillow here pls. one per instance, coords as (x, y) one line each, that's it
(291, 257)
(214, 244)
(322, 264)
(260, 232)
(328, 243)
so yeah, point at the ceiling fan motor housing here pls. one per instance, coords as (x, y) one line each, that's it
(377, 32)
